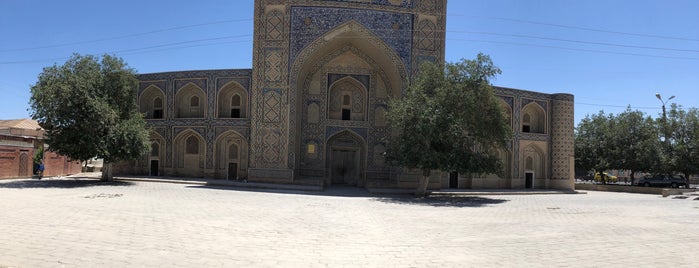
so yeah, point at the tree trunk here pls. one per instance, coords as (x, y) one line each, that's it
(422, 183)
(633, 177)
(107, 172)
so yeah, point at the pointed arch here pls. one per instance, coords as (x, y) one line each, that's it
(346, 158)
(347, 100)
(380, 116)
(148, 102)
(507, 111)
(351, 36)
(231, 155)
(232, 101)
(313, 113)
(533, 119)
(190, 102)
(189, 153)
(534, 161)
(157, 145)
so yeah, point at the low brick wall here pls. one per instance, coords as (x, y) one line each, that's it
(632, 189)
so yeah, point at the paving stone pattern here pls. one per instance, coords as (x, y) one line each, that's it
(83, 223)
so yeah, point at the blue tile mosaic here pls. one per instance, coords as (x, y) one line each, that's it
(403, 3)
(324, 19)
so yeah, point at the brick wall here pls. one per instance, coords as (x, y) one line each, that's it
(58, 165)
(15, 161)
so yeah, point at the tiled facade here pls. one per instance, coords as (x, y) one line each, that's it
(313, 106)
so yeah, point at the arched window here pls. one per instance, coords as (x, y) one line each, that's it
(235, 106)
(347, 100)
(533, 118)
(194, 101)
(526, 123)
(346, 106)
(158, 108)
(192, 145)
(154, 149)
(233, 152)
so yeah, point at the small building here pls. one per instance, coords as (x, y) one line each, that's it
(20, 140)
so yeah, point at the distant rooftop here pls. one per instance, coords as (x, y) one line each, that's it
(24, 123)
(21, 127)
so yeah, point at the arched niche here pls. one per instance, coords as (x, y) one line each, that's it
(380, 116)
(189, 153)
(151, 103)
(313, 113)
(345, 159)
(507, 112)
(347, 100)
(231, 155)
(350, 35)
(190, 102)
(534, 161)
(533, 119)
(232, 101)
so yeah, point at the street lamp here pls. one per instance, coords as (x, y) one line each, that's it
(657, 95)
(665, 128)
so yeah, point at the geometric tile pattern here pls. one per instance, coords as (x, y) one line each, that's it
(378, 23)
(562, 136)
(398, 3)
(427, 35)
(273, 69)
(274, 25)
(272, 106)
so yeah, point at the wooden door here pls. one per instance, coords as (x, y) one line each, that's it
(344, 167)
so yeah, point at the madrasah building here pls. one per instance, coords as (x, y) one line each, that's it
(313, 107)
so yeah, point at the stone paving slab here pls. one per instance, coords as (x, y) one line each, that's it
(68, 222)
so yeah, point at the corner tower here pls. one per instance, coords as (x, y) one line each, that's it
(323, 71)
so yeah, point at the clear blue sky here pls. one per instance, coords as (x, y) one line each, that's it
(609, 54)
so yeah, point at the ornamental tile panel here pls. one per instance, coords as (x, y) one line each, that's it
(324, 19)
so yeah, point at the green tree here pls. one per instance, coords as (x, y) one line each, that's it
(87, 108)
(449, 120)
(684, 129)
(634, 142)
(592, 144)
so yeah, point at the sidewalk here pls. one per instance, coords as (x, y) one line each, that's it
(206, 182)
(318, 188)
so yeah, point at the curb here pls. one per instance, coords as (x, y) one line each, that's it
(235, 184)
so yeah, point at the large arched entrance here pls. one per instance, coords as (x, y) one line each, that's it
(345, 161)
(342, 80)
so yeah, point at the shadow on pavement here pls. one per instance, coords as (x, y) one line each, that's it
(442, 201)
(64, 183)
(349, 191)
(339, 191)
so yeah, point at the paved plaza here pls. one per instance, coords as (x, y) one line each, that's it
(69, 222)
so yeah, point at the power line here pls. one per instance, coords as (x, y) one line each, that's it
(125, 36)
(618, 106)
(577, 41)
(576, 49)
(594, 29)
(145, 48)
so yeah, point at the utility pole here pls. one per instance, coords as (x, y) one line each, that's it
(666, 130)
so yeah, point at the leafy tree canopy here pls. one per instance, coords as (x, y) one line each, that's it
(87, 107)
(449, 120)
